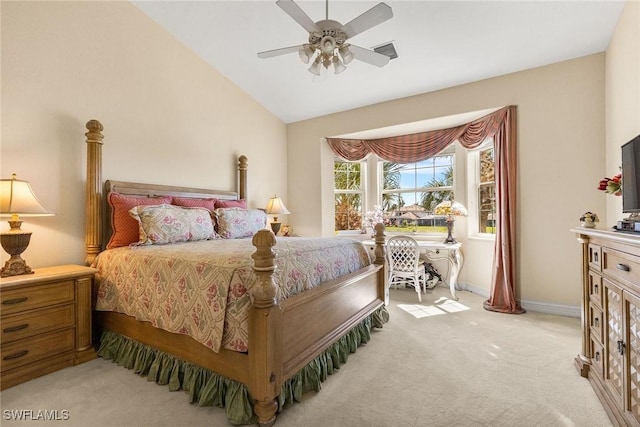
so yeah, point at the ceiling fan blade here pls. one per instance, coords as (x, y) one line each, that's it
(298, 15)
(369, 56)
(277, 52)
(372, 17)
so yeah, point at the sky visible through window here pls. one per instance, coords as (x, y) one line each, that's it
(422, 174)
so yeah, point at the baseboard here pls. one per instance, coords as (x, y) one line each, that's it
(537, 306)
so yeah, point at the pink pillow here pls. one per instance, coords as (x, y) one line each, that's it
(125, 229)
(188, 202)
(242, 204)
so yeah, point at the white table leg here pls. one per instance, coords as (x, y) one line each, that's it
(455, 259)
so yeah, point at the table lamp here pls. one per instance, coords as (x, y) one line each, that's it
(275, 207)
(17, 198)
(450, 209)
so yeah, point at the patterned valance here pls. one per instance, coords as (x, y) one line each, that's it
(419, 146)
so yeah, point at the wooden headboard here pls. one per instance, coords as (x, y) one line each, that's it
(98, 214)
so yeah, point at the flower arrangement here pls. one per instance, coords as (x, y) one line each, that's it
(373, 217)
(611, 185)
(589, 217)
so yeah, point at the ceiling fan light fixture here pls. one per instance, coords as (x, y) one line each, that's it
(347, 55)
(328, 44)
(315, 67)
(305, 53)
(338, 65)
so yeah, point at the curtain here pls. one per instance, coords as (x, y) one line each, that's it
(501, 125)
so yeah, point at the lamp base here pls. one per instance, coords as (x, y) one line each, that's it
(450, 238)
(275, 227)
(14, 243)
(15, 266)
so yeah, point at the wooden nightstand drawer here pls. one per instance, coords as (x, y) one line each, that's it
(20, 326)
(28, 350)
(28, 298)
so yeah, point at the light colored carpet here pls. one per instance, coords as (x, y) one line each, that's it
(447, 364)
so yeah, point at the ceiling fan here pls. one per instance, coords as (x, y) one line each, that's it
(328, 39)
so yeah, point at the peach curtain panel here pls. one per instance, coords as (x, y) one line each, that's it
(502, 126)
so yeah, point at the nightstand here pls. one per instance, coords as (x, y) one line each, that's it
(46, 322)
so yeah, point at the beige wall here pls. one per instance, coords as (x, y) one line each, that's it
(169, 117)
(561, 133)
(622, 95)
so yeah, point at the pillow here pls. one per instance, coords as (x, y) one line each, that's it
(242, 204)
(189, 202)
(236, 223)
(125, 228)
(162, 224)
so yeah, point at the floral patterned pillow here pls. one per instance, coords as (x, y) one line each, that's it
(162, 224)
(236, 223)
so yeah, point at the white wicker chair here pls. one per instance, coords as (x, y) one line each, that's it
(403, 257)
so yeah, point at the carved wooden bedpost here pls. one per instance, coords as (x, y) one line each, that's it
(93, 202)
(264, 330)
(242, 178)
(379, 260)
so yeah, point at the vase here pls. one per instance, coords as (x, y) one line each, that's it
(588, 224)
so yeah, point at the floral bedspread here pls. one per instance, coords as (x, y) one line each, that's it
(202, 288)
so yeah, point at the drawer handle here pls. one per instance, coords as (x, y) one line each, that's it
(16, 328)
(623, 267)
(14, 301)
(621, 347)
(597, 356)
(596, 322)
(16, 355)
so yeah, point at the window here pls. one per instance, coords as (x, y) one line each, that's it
(407, 193)
(411, 191)
(482, 190)
(349, 194)
(486, 191)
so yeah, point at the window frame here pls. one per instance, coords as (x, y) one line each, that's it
(473, 191)
(362, 192)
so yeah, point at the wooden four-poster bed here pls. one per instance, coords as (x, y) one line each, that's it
(284, 335)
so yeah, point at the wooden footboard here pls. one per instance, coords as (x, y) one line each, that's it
(283, 337)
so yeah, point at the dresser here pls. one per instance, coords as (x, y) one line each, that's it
(45, 322)
(610, 355)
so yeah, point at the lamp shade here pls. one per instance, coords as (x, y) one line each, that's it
(276, 207)
(17, 198)
(450, 208)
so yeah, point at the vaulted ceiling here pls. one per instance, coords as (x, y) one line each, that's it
(440, 44)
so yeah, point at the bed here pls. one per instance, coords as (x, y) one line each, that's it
(286, 339)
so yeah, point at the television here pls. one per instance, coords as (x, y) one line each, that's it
(630, 177)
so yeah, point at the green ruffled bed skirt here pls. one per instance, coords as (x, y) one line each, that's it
(207, 388)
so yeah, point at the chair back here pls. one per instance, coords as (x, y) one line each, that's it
(403, 254)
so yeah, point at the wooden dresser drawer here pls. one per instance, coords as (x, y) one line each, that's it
(28, 298)
(597, 357)
(595, 288)
(621, 265)
(595, 255)
(18, 326)
(595, 322)
(28, 350)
